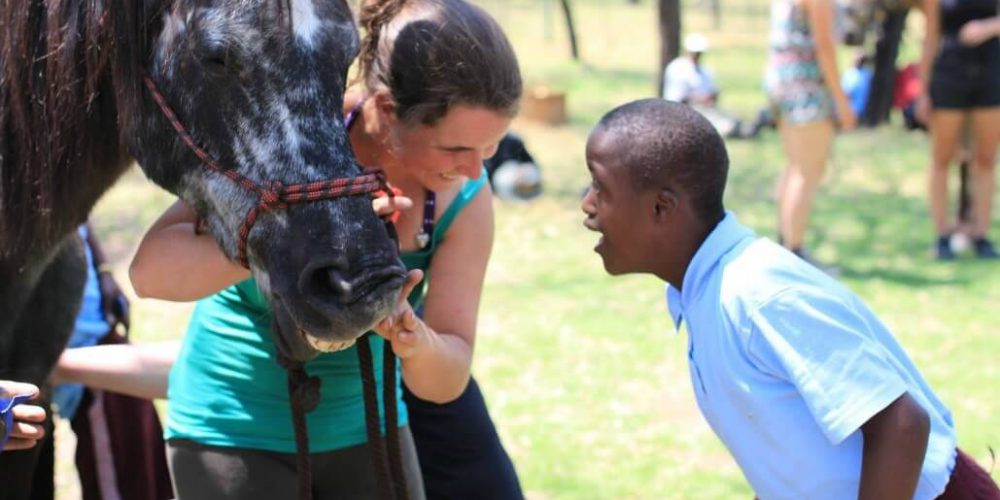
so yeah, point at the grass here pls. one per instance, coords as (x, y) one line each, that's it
(585, 377)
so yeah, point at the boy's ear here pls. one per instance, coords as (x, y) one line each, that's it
(665, 204)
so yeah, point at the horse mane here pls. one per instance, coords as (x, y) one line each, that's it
(69, 87)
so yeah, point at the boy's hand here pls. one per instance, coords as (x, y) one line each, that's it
(26, 429)
(402, 327)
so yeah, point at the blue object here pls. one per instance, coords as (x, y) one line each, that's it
(90, 326)
(7, 404)
(857, 84)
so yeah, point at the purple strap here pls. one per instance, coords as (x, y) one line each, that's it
(427, 227)
(353, 114)
(7, 404)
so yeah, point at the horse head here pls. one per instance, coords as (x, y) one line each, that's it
(259, 87)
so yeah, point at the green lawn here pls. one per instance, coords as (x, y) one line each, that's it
(584, 374)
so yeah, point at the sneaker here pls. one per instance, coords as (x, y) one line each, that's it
(984, 249)
(942, 249)
(804, 254)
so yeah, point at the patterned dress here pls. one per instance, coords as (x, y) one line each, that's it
(793, 81)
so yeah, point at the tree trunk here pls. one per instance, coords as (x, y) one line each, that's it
(571, 29)
(670, 36)
(884, 78)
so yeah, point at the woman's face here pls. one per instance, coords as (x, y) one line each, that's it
(452, 150)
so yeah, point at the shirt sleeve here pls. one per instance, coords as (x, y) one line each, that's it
(674, 83)
(826, 349)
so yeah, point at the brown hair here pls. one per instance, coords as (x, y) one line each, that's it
(434, 54)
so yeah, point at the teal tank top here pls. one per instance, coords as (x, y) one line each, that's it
(227, 389)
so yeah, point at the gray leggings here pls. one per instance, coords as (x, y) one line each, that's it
(201, 472)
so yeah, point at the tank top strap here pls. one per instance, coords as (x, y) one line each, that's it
(465, 195)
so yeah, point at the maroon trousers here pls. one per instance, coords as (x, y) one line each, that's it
(119, 446)
(969, 481)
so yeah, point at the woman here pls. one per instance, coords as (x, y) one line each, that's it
(960, 77)
(803, 87)
(429, 127)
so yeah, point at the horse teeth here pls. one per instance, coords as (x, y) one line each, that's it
(328, 345)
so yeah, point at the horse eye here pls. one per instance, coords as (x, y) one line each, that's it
(219, 62)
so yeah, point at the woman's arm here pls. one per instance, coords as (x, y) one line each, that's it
(928, 52)
(436, 352)
(174, 263)
(895, 442)
(978, 31)
(138, 370)
(821, 15)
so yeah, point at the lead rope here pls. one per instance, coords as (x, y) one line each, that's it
(303, 390)
(395, 455)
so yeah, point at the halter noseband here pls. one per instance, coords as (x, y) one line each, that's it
(272, 195)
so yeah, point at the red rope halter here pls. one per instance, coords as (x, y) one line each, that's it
(272, 195)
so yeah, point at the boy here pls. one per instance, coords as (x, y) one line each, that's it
(807, 389)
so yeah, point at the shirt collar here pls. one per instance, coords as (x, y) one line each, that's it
(726, 235)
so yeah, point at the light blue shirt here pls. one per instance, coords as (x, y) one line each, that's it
(786, 366)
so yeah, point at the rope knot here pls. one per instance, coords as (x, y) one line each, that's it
(305, 389)
(271, 195)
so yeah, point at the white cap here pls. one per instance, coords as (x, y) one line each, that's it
(695, 42)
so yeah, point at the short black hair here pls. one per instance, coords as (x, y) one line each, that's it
(659, 141)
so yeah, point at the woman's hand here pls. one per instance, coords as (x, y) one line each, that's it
(975, 32)
(27, 429)
(386, 206)
(923, 111)
(407, 333)
(846, 117)
(114, 303)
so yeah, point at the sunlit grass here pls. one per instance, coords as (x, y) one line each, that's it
(585, 377)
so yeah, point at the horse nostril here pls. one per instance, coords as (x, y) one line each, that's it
(338, 285)
(326, 282)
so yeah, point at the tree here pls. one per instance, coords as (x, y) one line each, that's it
(884, 77)
(670, 36)
(571, 29)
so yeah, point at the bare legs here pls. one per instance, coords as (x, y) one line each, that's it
(946, 128)
(986, 136)
(807, 147)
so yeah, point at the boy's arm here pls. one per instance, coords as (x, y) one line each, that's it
(895, 442)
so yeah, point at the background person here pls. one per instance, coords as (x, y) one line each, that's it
(803, 87)
(687, 80)
(960, 76)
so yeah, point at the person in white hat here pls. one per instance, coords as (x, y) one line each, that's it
(688, 81)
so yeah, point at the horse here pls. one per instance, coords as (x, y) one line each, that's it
(232, 105)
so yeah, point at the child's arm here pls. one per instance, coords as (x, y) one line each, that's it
(138, 370)
(895, 442)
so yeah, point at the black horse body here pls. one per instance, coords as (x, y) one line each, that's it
(258, 84)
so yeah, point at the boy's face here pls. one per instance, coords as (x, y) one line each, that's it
(615, 209)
